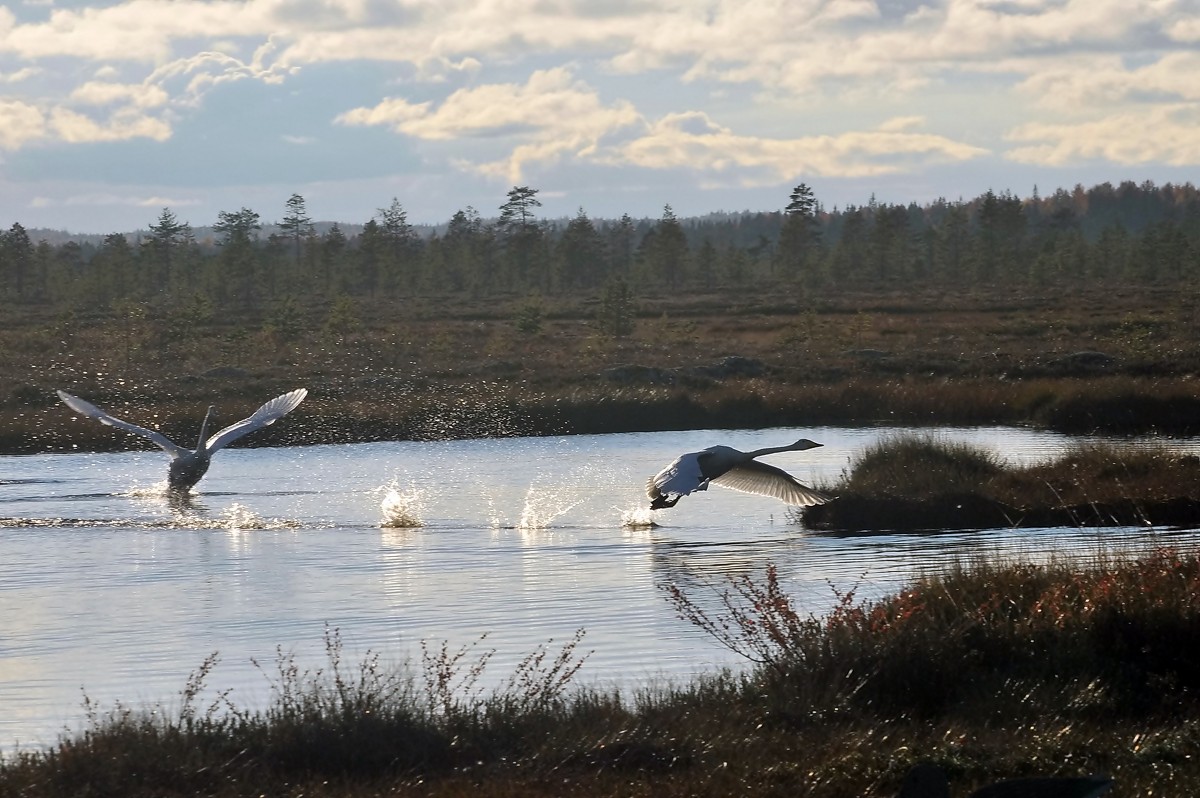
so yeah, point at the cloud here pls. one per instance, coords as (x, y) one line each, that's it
(1104, 109)
(140, 95)
(899, 124)
(102, 199)
(23, 123)
(1186, 30)
(1105, 80)
(74, 127)
(209, 69)
(393, 112)
(1165, 134)
(732, 92)
(136, 30)
(24, 73)
(175, 84)
(551, 114)
(693, 141)
(20, 123)
(795, 47)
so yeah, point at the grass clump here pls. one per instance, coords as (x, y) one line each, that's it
(1103, 472)
(920, 482)
(990, 668)
(919, 466)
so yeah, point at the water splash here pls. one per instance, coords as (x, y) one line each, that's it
(402, 509)
(638, 517)
(16, 523)
(235, 518)
(239, 518)
(495, 521)
(159, 490)
(542, 507)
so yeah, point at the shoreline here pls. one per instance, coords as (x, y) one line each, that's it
(456, 410)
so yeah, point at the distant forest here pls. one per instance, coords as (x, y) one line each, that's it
(1130, 233)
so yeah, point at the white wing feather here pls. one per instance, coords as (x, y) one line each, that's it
(264, 416)
(680, 478)
(767, 480)
(91, 411)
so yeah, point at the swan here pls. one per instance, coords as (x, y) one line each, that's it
(927, 780)
(731, 468)
(189, 465)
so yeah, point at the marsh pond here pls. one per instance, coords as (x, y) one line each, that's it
(110, 589)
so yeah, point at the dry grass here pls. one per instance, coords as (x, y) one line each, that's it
(923, 482)
(927, 467)
(922, 358)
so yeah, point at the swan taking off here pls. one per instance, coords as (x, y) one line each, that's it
(731, 468)
(188, 465)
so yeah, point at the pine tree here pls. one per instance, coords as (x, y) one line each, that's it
(16, 260)
(399, 247)
(669, 251)
(237, 262)
(522, 237)
(800, 237)
(297, 225)
(581, 254)
(166, 238)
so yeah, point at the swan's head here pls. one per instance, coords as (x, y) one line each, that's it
(805, 443)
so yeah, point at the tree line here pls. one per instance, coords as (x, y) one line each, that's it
(1140, 233)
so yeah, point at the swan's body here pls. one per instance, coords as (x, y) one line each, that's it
(731, 468)
(927, 780)
(189, 465)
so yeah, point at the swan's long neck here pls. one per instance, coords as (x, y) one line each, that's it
(204, 429)
(799, 445)
(771, 450)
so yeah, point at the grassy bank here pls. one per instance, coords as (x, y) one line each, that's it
(378, 409)
(990, 670)
(1120, 361)
(921, 482)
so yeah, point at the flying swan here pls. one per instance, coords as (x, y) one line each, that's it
(187, 465)
(731, 468)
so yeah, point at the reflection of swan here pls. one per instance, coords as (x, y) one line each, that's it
(927, 780)
(731, 468)
(187, 466)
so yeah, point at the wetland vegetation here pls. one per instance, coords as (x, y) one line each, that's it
(920, 482)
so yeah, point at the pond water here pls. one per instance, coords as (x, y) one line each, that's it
(109, 589)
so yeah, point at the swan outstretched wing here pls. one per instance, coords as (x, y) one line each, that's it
(767, 480)
(91, 411)
(264, 416)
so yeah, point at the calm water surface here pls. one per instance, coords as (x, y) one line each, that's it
(110, 590)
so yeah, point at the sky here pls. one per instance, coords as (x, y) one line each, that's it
(112, 111)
